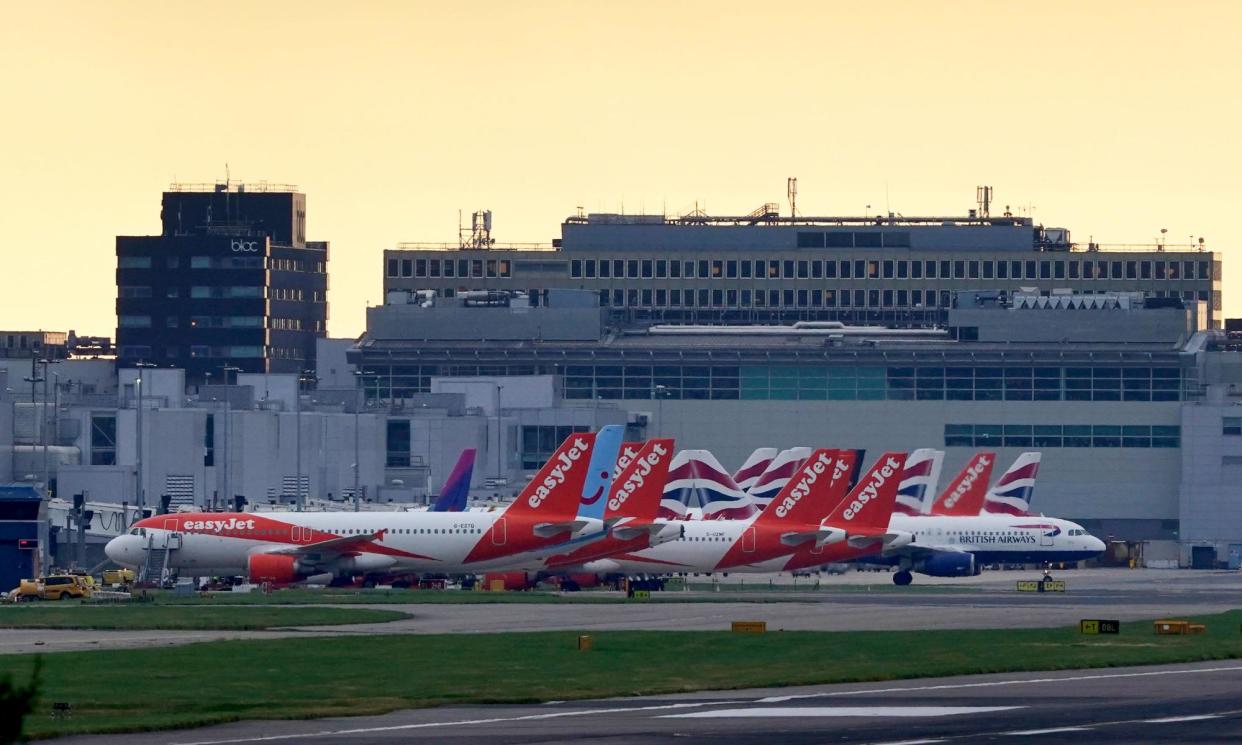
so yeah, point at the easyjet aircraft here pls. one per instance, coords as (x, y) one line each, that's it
(288, 547)
(704, 544)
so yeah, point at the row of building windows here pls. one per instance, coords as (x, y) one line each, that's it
(227, 292)
(889, 269)
(814, 383)
(762, 382)
(817, 298)
(1062, 436)
(855, 239)
(541, 441)
(449, 268)
(226, 262)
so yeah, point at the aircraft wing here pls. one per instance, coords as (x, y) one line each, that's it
(917, 551)
(340, 545)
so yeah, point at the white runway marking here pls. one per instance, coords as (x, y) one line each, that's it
(1196, 718)
(841, 711)
(1054, 730)
(426, 725)
(990, 683)
(910, 742)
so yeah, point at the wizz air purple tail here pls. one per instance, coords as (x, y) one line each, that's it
(1011, 494)
(699, 487)
(779, 471)
(918, 481)
(457, 487)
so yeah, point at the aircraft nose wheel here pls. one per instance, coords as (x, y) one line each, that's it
(902, 578)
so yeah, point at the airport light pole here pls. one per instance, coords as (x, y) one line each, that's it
(224, 372)
(660, 392)
(305, 376)
(361, 402)
(499, 473)
(140, 491)
(33, 380)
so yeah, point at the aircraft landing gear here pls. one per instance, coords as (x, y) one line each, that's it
(903, 578)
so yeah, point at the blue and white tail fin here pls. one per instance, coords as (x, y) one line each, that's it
(1011, 494)
(457, 487)
(918, 481)
(599, 475)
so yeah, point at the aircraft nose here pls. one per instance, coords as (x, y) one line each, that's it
(122, 550)
(1095, 544)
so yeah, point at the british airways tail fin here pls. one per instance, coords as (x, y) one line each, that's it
(600, 472)
(1011, 494)
(699, 487)
(756, 463)
(777, 474)
(965, 494)
(918, 481)
(555, 492)
(456, 488)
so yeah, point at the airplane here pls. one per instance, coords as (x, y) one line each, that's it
(796, 515)
(777, 474)
(699, 488)
(292, 546)
(965, 494)
(949, 546)
(754, 466)
(1011, 494)
(457, 487)
(918, 479)
(705, 544)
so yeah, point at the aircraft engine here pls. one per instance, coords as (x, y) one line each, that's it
(947, 564)
(274, 568)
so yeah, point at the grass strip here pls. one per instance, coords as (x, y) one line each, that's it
(200, 684)
(188, 618)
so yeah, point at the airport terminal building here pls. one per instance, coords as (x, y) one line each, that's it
(775, 332)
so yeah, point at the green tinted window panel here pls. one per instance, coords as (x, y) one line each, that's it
(1136, 442)
(842, 373)
(1165, 442)
(1160, 430)
(872, 373)
(1017, 429)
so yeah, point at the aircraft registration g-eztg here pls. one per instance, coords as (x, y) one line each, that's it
(298, 545)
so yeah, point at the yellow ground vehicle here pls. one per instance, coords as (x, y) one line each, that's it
(118, 577)
(54, 587)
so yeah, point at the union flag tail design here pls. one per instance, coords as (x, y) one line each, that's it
(455, 490)
(1011, 494)
(778, 472)
(869, 505)
(964, 496)
(918, 480)
(753, 468)
(700, 488)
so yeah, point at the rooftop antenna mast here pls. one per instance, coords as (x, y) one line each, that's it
(983, 195)
(791, 189)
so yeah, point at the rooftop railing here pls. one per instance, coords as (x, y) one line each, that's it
(234, 187)
(422, 246)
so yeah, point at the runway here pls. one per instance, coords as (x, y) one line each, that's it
(987, 601)
(1199, 703)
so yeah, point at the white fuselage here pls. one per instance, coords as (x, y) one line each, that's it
(1001, 537)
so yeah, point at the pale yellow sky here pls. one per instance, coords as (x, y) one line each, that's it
(1114, 119)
